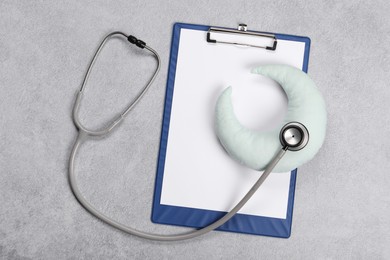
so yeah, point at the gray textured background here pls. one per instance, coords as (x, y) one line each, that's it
(342, 204)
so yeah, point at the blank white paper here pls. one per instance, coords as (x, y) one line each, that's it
(198, 172)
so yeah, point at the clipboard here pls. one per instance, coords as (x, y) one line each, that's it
(196, 181)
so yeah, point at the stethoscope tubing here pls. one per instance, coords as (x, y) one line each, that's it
(85, 134)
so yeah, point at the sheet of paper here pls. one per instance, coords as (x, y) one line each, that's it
(198, 172)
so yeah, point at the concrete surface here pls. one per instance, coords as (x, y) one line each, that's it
(342, 203)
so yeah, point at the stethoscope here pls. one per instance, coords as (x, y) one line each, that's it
(293, 137)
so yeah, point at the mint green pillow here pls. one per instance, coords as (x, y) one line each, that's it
(256, 149)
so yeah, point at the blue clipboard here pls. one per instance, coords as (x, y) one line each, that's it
(198, 218)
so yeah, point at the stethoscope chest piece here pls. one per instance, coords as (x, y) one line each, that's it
(294, 136)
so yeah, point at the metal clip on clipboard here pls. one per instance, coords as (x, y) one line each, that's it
(241, 30)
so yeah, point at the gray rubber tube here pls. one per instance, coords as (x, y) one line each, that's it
(73, 184)
(85, 133)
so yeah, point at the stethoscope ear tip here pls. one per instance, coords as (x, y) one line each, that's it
(294, 136)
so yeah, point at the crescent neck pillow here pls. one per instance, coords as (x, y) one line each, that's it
(256, 149)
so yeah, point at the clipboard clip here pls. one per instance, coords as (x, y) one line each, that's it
(242, 30)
